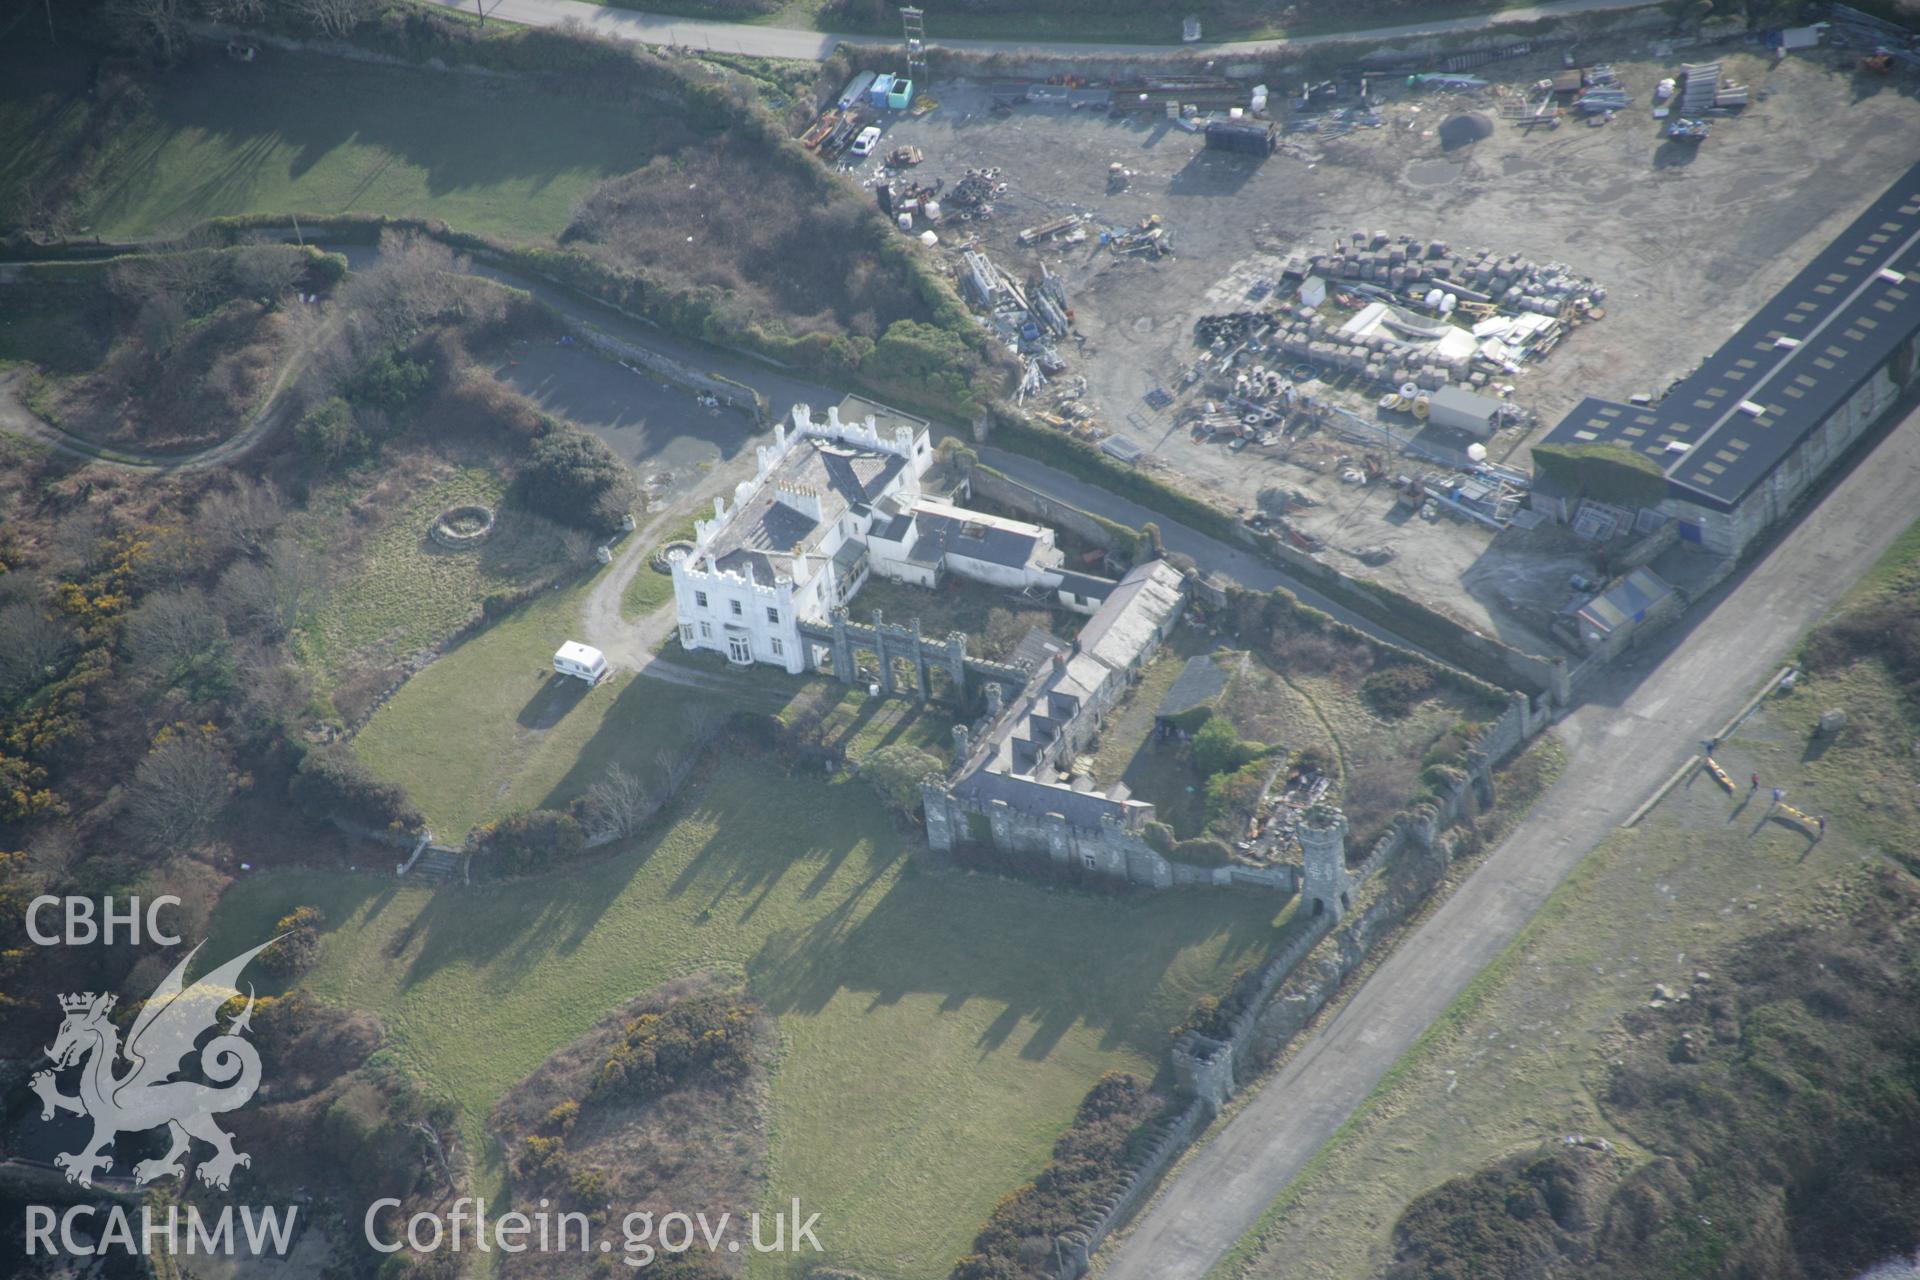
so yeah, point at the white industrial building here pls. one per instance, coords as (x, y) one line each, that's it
(830, 503)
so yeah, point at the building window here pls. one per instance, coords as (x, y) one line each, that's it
(706, 631)
(779, 650)
(773, 615)
(737, 649)
(736, 607)
(700, 598)
(686, 633)
(1093, 863)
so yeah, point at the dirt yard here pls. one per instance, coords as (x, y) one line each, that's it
(1687, 241)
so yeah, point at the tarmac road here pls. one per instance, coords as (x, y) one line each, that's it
(1621, 745)
(788, 42)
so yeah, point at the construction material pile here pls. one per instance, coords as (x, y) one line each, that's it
(1603, 95)
(1407, 264)
(974, 192)
(1227, 329)
(1026, 317)
(1148, 240)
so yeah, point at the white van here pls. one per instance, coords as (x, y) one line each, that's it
(580, 660)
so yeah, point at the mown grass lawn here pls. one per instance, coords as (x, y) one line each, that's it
(400, 591)
(939, 1027)
(304, 133)
(490, 728)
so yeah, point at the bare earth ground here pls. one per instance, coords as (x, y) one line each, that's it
(1687, 243)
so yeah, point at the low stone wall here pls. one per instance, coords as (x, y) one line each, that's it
(993, 486)
(1337, 956)
(1078, 1245)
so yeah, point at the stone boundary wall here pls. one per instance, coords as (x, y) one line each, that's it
(1077, 1245)
(1480, 656)
(995, 486)
(733, 394)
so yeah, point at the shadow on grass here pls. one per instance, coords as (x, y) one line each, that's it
(551, 703)
(266, 124)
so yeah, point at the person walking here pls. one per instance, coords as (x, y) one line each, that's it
(1823, 826)
(1756, 784)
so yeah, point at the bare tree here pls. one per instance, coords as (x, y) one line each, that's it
(674, 770)
(31, 644)
(416, 281)
(242, 518)
(618, 803)
(272, 691)
(236, 10)
(268, 270)
(703, 721)
(193, 273)
(174, 630)
(158, 25)
(249, 600)
(179, 789)
(266, 596)
(335, 17)
(160, 324)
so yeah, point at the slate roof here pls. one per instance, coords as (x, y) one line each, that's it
(947, 530)
(1786, 370)
(768, 531)
(1199, 684)
(1001, 767)
(1626, 601)
(1081, 808)
(1086, 585)
(1139, 604)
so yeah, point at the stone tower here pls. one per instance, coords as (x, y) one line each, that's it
(1323, 839)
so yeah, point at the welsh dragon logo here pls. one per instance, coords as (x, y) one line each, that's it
(143, 1095)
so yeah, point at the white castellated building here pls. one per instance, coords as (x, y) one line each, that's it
(829, 503)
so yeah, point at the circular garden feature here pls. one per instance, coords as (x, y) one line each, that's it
(463, 526)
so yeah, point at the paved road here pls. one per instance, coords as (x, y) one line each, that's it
(1621, 746)
(1244, 567)
(787, 42)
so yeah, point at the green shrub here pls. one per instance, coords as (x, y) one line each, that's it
(332, 783)
(1203, 851)
(297, 942)
(562, 1116)
(390, 381)
(1217, 748)
(702, 1038)
(1393, 692)
(1604, 472)
(534, 840)
(1159, 837)
(574, 478)
(1091, 1162)
(1232, 796)
(895, 772)
(539, 1156)
(330, 435)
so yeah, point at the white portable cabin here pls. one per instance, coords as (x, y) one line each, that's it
(580, 660)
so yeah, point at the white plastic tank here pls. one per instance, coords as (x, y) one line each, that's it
(906, 222)
(932, 211)
(1448, 303)
(929, 239)
(1477, 452)
(1434, 296)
